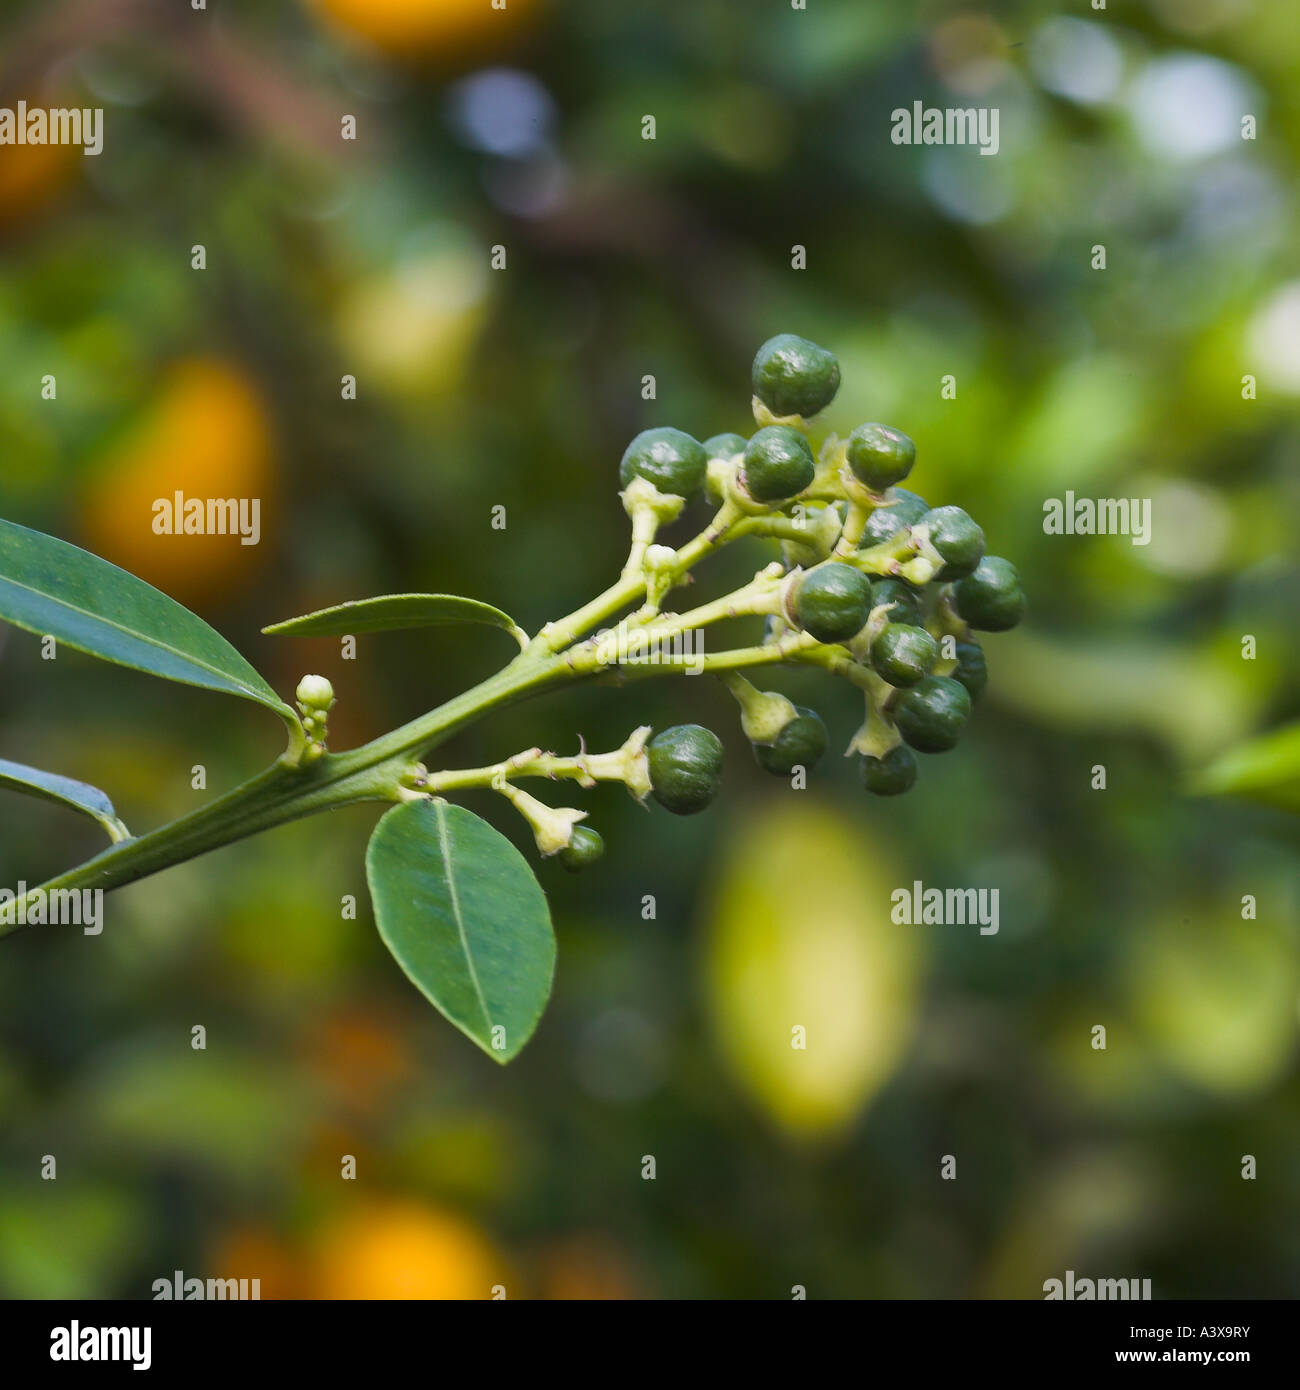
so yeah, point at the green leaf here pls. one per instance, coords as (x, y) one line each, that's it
(1265, 769)
(391, 612)
(81, 796)
(55, 589)
(460, 909)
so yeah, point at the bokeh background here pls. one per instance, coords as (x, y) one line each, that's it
(520, 387)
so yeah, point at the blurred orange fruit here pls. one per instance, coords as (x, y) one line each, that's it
(360, 1057)
(405, 1250)
(584, 1268)
(31, 176)
(406, 27)
(250, 1252)
(207, 435)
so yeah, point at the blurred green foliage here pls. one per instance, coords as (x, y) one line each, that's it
(519, 388)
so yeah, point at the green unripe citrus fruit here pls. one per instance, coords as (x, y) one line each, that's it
(880, 456)
(778, 464)
(991, 599)
(670, 459)
(957, 538)
(971, 670)
(892, 774)
(904, 601)
(904, 509)
(792, 376)
(932, 714)
(799, 744)
(903, 654)
(584, 848)
(724, 446)
(832, 601)
(685, 768)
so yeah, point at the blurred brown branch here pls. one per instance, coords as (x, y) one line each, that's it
(240, 85)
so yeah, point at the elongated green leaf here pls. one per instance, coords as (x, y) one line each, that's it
(81, 796)
(460, 909)
(50, 587)
(391, 612)
(1266, 769)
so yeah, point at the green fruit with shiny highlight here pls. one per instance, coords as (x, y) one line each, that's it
(957, 538)
(724, 446)
(880, 456)
(903, 654)
(670, 459)
(800, 743)
(991, 599)
(904, 509)
(778, 464)
(584, 848)
(971, 669)
(932, 714)
(685, 768)
(891, 775)
(904, 602)
(832, 601)
(792, 376)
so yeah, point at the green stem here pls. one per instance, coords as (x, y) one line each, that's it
(299, 785)
(285, 792)
(889, 557)
(789, 647)
(557, 635)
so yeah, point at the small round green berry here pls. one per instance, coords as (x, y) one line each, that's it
(670, 459)
(880, 456)
(957, 538)
(903, 654)
(932, 714)
(584, 848)
(685, 768)
(792, 376)
(903, 600)
(903, 509)
(778, 464)
(724, 446)
(892, 774)
(800, 743)
(832, 601)
(991, 599)
(971, 669)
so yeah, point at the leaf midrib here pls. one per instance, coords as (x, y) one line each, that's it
(444, 847)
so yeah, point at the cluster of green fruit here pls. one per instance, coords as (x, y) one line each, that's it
(900, 592)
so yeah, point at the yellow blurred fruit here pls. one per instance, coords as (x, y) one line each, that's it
(813, 989)
(405, 28)
(405, 1250)
(412, 328)
(207, 435)
(1214, 997)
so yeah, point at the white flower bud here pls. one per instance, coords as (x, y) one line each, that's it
(552, 826)
(315, 693)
